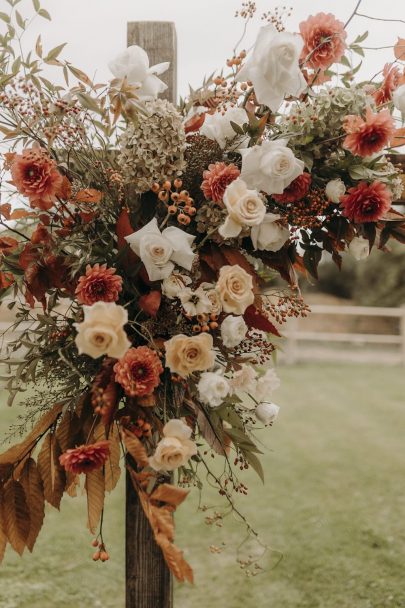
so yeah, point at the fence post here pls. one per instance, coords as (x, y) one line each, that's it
(291, 348)
(148, 580)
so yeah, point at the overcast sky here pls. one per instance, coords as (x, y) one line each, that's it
(207, 30)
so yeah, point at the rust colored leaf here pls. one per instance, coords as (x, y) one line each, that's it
(16, 515)
(135, 448)
(112, 470)
(6, 279)
(95, 498)
(5, 210)
(19, 214)
(150, 303)
(173, 495)
(89, 195)
(163, 521)
(72, 483)
(398, 139)
(34, 494)
(7, 244)
(175, 560)
(399, 49)
(52, 474)
(259, 320)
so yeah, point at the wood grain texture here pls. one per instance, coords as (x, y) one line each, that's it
(148, 580)
(159, 40)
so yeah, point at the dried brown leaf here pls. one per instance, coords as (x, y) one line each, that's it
(112, 470)
(16, 515)
(173, 495)
(51, 472)
(3, 537)
(34, 494)
(135, 448)
(95, 489)
(163, 521)
(175, 560)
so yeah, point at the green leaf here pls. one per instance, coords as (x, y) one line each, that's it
(37, 5)
(236, 128)
(255, 463)
(53, 54)
(4, 17)
(358, 50)
(344, 61)
(20, 20)
(362, 37)
(88, 102)
(43, 13)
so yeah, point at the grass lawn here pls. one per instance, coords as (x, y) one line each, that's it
(333, 505)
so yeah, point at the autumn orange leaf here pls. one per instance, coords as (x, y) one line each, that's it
(5, 210)
(399, 49)
(89, 195)
(398, 139)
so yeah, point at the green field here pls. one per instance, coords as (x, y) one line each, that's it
(333, 505)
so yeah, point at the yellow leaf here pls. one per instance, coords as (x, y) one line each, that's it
(135, 448)
(95, 498)
(34, 494)
(171, 494)
(51, 472)
(16, 516)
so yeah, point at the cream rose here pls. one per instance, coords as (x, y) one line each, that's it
(102, 331)
(213, 388)
(218, 126)
(233, 331)
(188, 354)
(273, 67)
(335, 189)
(244, 379)
(133, 64)
(266, 384)
(159, 251)
(175, 449)
(398, 97)
(174, 284)
(269, 236)
(235, 287)
(359, 248)
(270, 167)
(267, 412)
(214, 298)
(245, 208)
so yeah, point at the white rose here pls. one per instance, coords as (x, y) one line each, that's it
(235, 287)
(233, 331)
(175, 449)
(218, 126)
(267, 412)
(213, 388)
(214, 297)
(244, 379)
(266, 384)
(102, 331)
(172, 286)
(245, 208)
(195, 302)
(273, 67)
(269, 236)
(359, 248)
(270, 167)
(335, 189)
(398, 97)
(133, 64)
(159, 251)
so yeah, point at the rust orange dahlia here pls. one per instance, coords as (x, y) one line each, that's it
(365, 137)
(324, 40)
(366, 202)
(36, 176)
(99, 284)
(216, 179)
(85, 458)
(392, 77)
(138, 371)
(296, 191)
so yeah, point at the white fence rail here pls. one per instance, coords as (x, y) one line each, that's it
(327, 345)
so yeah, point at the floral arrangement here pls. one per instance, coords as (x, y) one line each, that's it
(152, 253)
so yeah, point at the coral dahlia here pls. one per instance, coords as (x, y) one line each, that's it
(392, 77)
(138, 371)
(366, 202)
(296, 191)
(99, 284)
(216, 179)
(36, 176)
(85, 458)
(365, 137)
(324, 40)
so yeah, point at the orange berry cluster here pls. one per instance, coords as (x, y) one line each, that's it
(247, 11)
(236, 60)
(205, 323)
(101, 553)
(178, 202)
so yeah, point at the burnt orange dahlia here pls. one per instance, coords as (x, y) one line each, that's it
(216, 179)
(85, 458)
(138, 371)
(99, 284)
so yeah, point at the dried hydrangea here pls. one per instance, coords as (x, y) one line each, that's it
(153, 150)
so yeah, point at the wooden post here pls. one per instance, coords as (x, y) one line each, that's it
(159, 40)
(402, 333)
(148, 580)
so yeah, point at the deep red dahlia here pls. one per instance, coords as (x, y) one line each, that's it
(296, 191)
(365, 137)
(36, 176)
(324, 40)
(216, 179)
(99, 284)
(366, 202)
(138, 371)
(85, 458)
